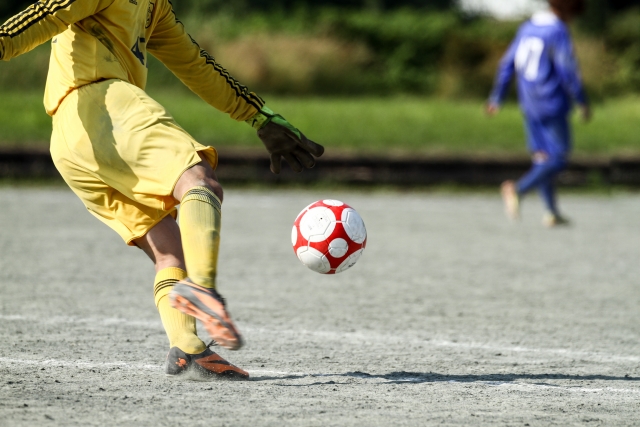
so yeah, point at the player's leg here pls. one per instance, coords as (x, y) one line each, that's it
(98, 152)
(163, 246)
(147, 163)
(541, 176)
(548, 191)
(551, 217)
(548, 141)
(555, 135)
(512, 192)
(543, 173)
(200, 195)
(510, 199)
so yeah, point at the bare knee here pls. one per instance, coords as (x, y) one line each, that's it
(200, 175)
(217, 189)
(208, 182)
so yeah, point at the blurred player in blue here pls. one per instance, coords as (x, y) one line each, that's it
(548, 81)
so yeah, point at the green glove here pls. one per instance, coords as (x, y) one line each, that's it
(282, 139)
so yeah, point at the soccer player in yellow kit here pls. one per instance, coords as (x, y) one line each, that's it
(131, 164)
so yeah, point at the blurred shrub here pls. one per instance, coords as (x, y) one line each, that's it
(27, 71)
(598, 66)
(471, 55)
(408, 46)
(623, 40)
(328, 52)
(401, 51)
(12, 7)
(334, 51)
(244, 6)
(296, 65)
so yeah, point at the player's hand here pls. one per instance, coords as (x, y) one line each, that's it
(282, 139)
(585, 112)
(492, 109)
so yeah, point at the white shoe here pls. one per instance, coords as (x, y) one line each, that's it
(511, 200)
(551, 220)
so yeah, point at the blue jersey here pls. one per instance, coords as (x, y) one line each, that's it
(542, 58)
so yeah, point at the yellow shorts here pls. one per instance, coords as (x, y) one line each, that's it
(122, 154)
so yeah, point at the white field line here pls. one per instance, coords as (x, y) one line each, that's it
(101, 321)
(369, 337)
(381, 338)
(78, 364)
(529, 386)
(81, 364)
(139, 366)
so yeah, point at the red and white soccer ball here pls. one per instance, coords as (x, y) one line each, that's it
(328, 236)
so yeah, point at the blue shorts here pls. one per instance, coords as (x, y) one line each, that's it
(551, 136)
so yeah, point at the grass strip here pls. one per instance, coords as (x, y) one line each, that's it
(394, 126)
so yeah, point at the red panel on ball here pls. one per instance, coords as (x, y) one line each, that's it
(328, 236)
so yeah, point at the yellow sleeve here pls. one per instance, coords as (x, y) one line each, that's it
(42, 21)
(198, 70)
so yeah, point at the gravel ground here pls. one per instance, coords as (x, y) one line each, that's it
(452, 316)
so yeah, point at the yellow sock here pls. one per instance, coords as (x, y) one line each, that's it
(200, 231)
(180, 327)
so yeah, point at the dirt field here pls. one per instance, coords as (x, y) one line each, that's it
(452, 316)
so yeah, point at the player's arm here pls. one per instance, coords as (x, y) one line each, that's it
(41, 21)
(506, 70)
(199, 71)
(566, 64)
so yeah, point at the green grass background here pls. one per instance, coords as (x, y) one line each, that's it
(371, 125)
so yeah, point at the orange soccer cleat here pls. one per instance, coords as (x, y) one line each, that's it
(208, 306)
(207, 364)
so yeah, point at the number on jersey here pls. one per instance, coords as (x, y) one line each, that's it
(136, 50)
(528, 56)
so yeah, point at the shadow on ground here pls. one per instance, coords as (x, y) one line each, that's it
(403, 377)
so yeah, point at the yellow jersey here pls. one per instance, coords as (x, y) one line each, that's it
(95, 40)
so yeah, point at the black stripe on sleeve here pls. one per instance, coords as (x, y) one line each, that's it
(34, 14)
(240, 90)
